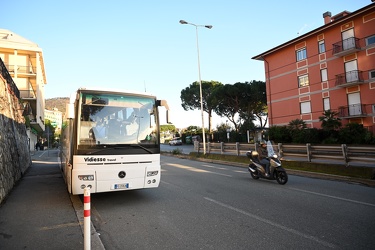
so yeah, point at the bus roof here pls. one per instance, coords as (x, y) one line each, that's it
(108, 90)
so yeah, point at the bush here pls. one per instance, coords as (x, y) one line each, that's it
(280, 134)
(352, 133)
(176, 151)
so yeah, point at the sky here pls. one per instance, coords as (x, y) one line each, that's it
(141, 46)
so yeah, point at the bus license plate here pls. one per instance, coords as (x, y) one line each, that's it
(121, 186)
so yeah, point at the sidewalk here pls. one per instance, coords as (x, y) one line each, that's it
(39, 213)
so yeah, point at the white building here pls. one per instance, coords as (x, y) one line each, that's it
(24, 61)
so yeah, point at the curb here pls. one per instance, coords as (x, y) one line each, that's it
(96, 243)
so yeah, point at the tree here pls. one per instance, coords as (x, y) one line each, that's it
(49, 132)
(254, 103)
(329, 120)
(190, 98)
(168, 127)
(242, 103)
(297, 124)
(227, 103)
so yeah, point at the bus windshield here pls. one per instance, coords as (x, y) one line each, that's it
(108, 121)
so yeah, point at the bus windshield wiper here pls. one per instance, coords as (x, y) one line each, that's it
(122, 146)
(97, 150)
(140, 146)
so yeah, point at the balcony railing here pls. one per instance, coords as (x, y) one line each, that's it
(349, 78)
(352, 111)
(21, 69)
(26, 94)
(346, 46)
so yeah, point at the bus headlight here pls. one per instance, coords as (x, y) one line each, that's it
(152, 173)
(89, 177)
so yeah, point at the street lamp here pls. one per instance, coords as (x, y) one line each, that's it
(199, 75)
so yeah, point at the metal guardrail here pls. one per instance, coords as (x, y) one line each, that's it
(345, 153)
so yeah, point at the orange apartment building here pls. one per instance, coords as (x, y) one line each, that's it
(331, 67)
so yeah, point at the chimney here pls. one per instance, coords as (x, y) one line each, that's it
(327, 17)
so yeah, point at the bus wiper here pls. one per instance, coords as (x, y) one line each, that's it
(118, 146)
(139, 146)
(96, 151)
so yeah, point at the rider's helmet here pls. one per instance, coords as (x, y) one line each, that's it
(262, 142)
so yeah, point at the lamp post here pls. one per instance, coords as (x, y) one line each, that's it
(200, 81)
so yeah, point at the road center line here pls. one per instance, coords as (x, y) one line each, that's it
(290, 230)
(334, 197)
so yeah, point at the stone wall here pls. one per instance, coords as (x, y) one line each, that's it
(15, 156)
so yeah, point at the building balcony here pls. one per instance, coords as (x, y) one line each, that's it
(27, 94)
(346, 47)
(36, 126)
(21, 70)
(349, 78)
(352, 111)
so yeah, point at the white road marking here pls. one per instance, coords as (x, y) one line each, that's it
(333, 197)
(242, 172)
(195, 169)
(290, 230)
(210, 166)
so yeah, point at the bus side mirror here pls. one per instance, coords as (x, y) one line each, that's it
(168, 117)
(70, 111)
(164, 103)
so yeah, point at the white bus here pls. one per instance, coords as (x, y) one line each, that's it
(112, 141)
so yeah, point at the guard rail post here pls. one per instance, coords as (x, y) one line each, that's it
(238, 148)
(309, 153)
(222, 147)
(280, 146)
(344, 149)
(87, 219)
(196, 146)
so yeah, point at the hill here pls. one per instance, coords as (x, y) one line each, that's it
(58, 102)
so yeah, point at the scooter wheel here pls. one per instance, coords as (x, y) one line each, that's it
(281, 177)
(254, 175)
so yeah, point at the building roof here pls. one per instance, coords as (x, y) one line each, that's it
(16, 41)
(343, 18)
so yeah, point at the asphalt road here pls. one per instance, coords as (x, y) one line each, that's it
(211, 206)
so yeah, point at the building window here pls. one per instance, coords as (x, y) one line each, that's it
(326, 104)
(370, 40)
(372, 74)
(301, 54)
(322, 47)
(303, 81)
(305, 107)
(323, 75)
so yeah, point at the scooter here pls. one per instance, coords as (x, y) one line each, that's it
(257, 170)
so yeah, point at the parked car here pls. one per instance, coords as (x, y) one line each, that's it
(175, 141)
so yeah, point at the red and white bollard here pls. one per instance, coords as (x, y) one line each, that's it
(86, 219)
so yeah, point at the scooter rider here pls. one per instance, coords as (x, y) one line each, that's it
(263, 156)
